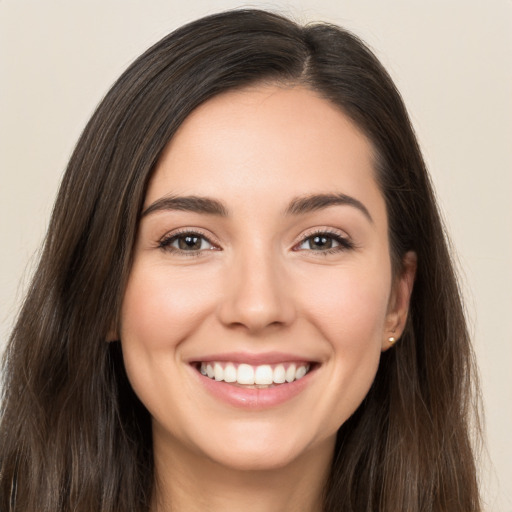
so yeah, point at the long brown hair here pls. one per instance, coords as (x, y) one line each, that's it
(74, 437)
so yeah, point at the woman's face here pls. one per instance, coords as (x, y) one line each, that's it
(262, 261)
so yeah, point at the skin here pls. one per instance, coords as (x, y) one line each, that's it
(259, 286)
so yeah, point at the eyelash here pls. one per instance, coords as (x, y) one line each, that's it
(166, 241)
(344, 243)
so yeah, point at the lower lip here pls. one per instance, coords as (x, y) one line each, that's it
(254, 398)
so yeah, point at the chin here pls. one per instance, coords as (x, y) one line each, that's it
(249, 459)
(266, 451)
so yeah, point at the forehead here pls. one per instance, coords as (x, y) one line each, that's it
(266, 143)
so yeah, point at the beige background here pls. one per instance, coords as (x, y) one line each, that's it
(452, 60)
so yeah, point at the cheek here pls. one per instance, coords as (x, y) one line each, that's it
(160, 308)
(348, 305)
(348, 308)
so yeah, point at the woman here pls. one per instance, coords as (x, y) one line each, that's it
(245, 299)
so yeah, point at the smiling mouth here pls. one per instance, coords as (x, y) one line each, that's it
(251, 376)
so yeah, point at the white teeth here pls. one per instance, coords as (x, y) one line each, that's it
(230, 373)
(301, 371)
(245, 374)
(279, 374)
(263, 375)
(218, 372)
(290, 373)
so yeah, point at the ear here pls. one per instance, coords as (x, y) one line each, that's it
(399, 301)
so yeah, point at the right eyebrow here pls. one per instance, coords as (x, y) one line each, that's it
(188, 203)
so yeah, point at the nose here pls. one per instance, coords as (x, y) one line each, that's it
(257, 294)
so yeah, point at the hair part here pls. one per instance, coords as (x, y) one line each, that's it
(73, 434)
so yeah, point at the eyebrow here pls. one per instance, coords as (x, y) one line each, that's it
(188, 203)
(298, 206)
(309, 203)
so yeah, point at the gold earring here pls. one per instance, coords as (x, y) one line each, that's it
(392, 340)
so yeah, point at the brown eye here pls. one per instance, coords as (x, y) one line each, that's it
(189, 243)
(320, 242)
(325, 243)
(186, 242)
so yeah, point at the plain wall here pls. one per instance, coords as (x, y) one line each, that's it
(452, 61)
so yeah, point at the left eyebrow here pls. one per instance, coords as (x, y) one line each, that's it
(313, 202)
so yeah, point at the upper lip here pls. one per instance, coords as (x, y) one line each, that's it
(253, 358)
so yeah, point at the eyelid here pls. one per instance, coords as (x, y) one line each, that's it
(344, 241)
(340, 236)
(165, 240)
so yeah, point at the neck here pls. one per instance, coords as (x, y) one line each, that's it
(188, 482)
